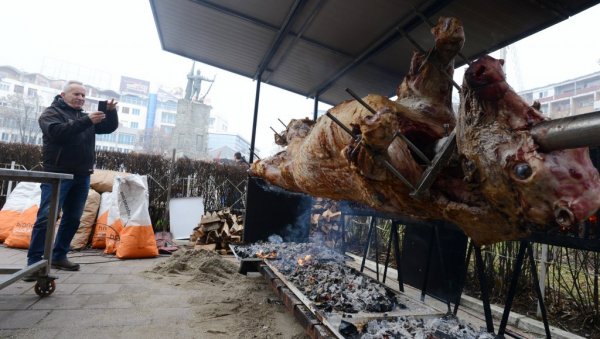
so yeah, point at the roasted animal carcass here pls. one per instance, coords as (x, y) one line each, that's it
(498, 186)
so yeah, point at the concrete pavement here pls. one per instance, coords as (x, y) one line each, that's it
(106, 298)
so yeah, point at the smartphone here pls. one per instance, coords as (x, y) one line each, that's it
(102, 106)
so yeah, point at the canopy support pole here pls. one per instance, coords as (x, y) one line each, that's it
(254, 122)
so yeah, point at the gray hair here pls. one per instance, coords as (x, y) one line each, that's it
(69, 83)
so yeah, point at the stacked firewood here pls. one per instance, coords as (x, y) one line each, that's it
(218, 229)
(326, 220)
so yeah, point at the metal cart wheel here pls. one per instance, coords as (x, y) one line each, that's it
(44, 288)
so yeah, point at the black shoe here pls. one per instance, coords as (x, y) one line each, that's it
(65, 265)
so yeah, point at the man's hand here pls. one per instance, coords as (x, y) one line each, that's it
(96, 117)
(112, 104)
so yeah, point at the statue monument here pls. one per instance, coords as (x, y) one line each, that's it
(190, 135)
(194, 84)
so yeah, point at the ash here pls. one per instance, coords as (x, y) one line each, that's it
(289, 251)
(253, 250)
(334, 287)
(321, 275)
(410, 327)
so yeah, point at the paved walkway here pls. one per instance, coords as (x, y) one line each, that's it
(107, 298)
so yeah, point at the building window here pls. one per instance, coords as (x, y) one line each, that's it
(19, 89)
(4, 86)
(31, 92)
(125, 110)
(126, 139)
(168, 118)
(135, 111)
(134, 124)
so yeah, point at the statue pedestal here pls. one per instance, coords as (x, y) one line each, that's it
(190, 135)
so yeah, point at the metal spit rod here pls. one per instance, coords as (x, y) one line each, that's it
(571, 132)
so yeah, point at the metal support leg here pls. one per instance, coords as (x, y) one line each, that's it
(428, 266)
(343, 233)
(52, 216)
(398, 258)
(464, 278)
(513, 287)
(367, 244)
(438, 244)
(485, 297)
(375, 234)
(389, 250)
(536, 284)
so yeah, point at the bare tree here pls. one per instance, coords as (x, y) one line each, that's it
(21, 114)
(157, 141)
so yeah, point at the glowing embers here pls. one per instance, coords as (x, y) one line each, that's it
(306, 260)
(266, 254)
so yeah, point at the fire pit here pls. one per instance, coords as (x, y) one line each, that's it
(313, 278)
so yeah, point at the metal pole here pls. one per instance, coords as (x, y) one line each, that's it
(52, 216)
(542, 274)
(187, 191)
(9, 189)
(254, 121)
(485, 298)
(438, 244)
(376, 252)
(536, 285)
(428, 265)
(464, 278)
(397, 256)
(367, 244)
(389, 250)
(570, 132)
(169, 185)
(512, 290)
(316, 109)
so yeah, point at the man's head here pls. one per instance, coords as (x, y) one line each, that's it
(237, 156)
(74, 94)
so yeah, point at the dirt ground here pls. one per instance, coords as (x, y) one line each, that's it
(228, 304)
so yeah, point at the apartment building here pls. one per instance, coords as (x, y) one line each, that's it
(23, 96)
(567, 98)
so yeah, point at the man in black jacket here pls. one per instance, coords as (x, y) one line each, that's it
(69, 137)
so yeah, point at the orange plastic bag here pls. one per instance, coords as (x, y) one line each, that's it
(136, 239)
(114, 226)
(21, 199)
(101, 227)
(20, 236)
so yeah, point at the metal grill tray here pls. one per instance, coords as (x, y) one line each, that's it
(334, 319)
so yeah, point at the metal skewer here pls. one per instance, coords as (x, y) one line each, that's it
(283, 123)
(377, 157)
(410, 145)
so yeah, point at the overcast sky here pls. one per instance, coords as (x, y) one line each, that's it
(98, 41)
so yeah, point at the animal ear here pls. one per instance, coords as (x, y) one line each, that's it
(501, 61)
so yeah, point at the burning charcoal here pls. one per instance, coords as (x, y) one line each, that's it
(410, 327)
(348, 329)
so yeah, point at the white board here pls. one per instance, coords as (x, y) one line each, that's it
(184, 215)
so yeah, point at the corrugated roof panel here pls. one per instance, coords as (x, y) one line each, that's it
(346, 25)
(236, 36)
(363, 80)
(245, 45)
(277, 9)
(305, 66)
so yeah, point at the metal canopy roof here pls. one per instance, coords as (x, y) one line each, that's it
(318, 48)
